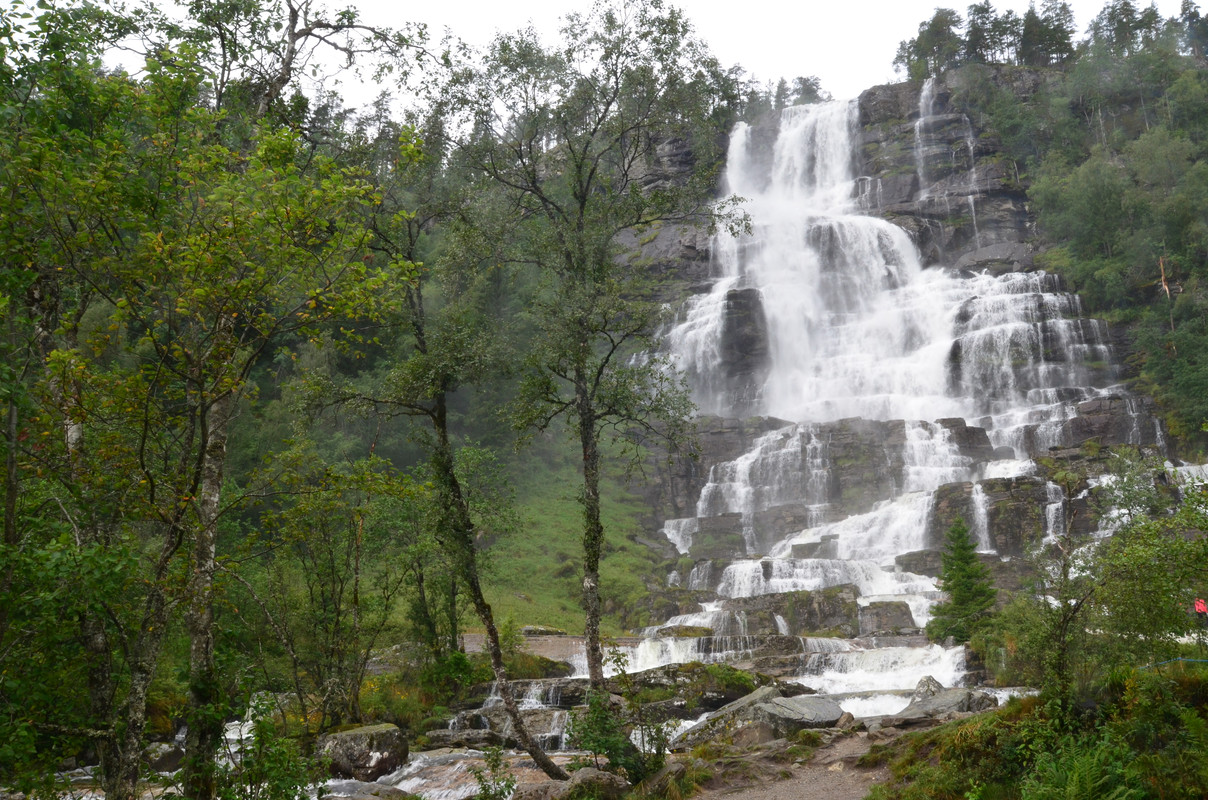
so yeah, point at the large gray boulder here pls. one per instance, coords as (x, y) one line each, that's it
(951, 701)
(787, 715)
(724, 720)
(927, 687)
(763, 715)
(364, 753)
(943, 704)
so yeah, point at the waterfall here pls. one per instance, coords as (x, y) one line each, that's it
(679, 532)
(926, 107)
(856, 327)
(980, 525)
(973, 190)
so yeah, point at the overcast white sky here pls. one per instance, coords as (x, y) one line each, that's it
(848, 44)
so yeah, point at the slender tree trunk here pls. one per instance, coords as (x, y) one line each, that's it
(457, 531)
(10, 459)
(125, 760)
(12, 478)
(422, 614)
(593, 535)
(99, 661)
(120, 752)
(205, 717)
(519, 728)
(451, 613)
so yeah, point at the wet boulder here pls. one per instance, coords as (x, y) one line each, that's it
(886, 617)
(723, 721)
(927, 687)
(761, 716)
(931, 701)
(474, 739)
(951, 701)
(921, 562)
(362, 790)
(364, 753)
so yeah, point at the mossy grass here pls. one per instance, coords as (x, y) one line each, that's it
(534, 571)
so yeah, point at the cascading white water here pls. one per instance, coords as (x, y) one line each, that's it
(970, 146)
(856, 327)
(980, 526)
(885, 668)
(926, 107)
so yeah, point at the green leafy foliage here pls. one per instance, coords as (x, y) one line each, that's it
(1143, 739)
(604, 729)
(601, 731)
(495, 782)
(268, 766)
(639, 75)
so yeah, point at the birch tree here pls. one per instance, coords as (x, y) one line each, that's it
(573, 135)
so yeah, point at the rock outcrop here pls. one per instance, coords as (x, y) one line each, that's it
(364, 753)
(826, 612)
(928, 169)
(887, 617)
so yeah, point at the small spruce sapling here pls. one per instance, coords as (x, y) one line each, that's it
(970, 589)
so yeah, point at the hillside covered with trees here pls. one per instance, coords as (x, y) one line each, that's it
(266, 363)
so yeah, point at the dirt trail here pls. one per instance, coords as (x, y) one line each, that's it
(831, 774)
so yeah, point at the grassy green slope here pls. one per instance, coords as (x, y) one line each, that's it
(535, 571)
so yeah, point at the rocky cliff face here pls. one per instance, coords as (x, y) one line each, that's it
(922, 165)
(865, 462)
(928, 169)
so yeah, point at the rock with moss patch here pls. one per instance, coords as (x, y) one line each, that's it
(597, 784)
(685, 631)
(364, 753)
(540, 790)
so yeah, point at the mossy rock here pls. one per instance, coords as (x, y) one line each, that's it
(686, 631)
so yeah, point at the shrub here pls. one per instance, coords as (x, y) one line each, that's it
(495, 782)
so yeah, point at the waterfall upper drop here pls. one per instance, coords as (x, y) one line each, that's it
(852, 325)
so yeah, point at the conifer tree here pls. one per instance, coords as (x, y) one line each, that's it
(967, 582)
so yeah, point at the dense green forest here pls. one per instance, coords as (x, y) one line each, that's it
(285, 384)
